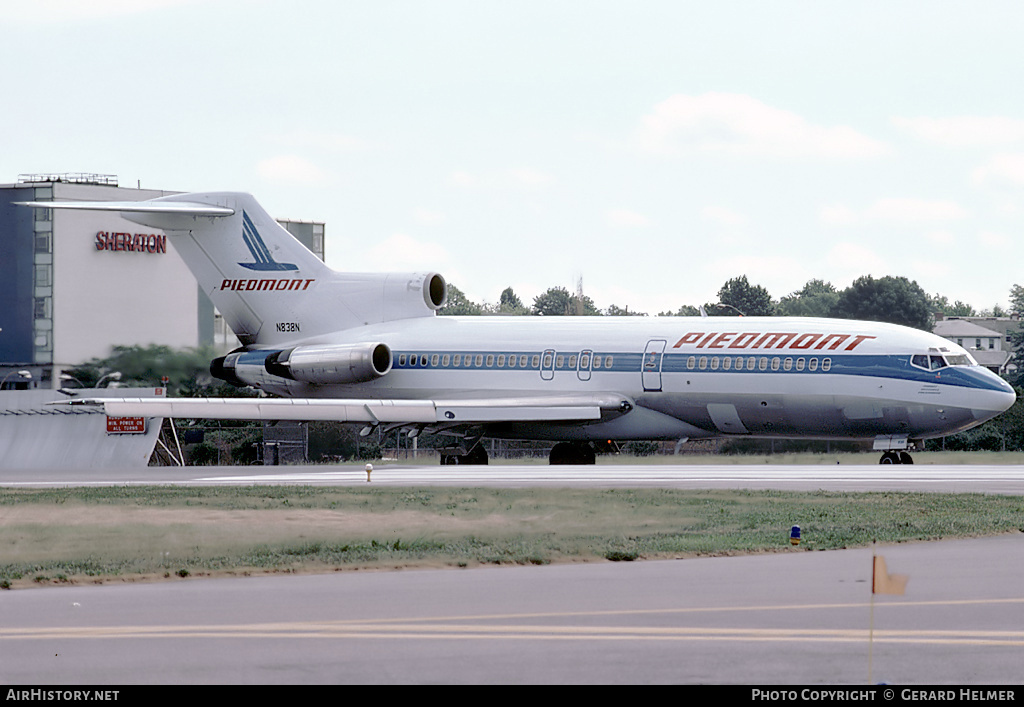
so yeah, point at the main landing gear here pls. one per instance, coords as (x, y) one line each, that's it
(572, 453)
(896, 458)
(477, 455)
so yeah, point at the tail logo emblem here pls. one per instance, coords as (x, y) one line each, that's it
(260, 253)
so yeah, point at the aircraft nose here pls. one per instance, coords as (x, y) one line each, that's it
(998, 399)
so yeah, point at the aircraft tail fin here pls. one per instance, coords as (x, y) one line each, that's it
(258, 275)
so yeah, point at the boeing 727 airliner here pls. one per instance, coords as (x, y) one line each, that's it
(369, 348)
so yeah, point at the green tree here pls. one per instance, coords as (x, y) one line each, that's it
(940, 304)
(616, 311)
(896, 300)
(509, 303)
(556, 301)
(815, 299)
(683, 311)
(187, 370)
(738, 297)
(458, 304)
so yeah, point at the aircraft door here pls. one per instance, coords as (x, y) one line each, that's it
(547, 364)
(650, 367)
(583, 370)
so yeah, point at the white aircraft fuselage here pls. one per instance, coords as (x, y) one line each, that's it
(370, 348)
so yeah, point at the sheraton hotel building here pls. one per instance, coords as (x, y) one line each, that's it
(74, 284)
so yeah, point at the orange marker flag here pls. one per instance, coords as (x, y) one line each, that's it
(884, 583)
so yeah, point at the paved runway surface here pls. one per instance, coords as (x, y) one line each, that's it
(799, 617)
(877, 477)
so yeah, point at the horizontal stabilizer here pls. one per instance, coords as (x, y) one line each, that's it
(184, 208)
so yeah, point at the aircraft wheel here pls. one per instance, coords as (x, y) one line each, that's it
(889, 458)
(572, 453)
(905, 458)
(477, 455)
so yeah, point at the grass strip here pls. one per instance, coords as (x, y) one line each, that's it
(77, 535)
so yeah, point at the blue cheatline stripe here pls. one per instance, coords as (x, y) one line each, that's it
(881, 366)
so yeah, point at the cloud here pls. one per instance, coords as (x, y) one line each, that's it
(893, 210)
(838, 215)
(914, 211)
(722, 216)
(519, 178)
(739, 125)
(854, 260)
(995, 240)
(401, 252)
(291, 168)
(53, 11)
(1002, 170)
(318, 140)
(964, 131)
(427, 216)
(623, 218)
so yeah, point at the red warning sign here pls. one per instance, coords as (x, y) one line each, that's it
(126, 425)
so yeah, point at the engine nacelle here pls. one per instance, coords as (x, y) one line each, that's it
(331, 363)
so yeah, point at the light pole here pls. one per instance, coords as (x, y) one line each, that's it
(115, 376)
(22, 374)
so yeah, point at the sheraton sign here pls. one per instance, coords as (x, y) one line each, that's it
(131, 242)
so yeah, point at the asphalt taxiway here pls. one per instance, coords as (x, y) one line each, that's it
(797, 617)
(793, 617)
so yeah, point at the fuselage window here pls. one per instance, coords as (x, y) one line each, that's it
(401, 359)
(751, 362)
(826, 364)
(456, 360)
(597, 362)
(559, 361)
(585, 361)
(691, 362)
(501, 360)
(490, 360)
(511, 360)
(799, 364)
(445, 360)
(762, 364)
(703, 363)
(812, 364)
(572, 361)
(435, 359)
(776, 363)
(739, 363)
(726, 363)
(423, 359)
(608, 360)
(524, 359)
(787, 365)
(714, 363)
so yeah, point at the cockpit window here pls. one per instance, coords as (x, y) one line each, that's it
(933, 362)
(959, 360)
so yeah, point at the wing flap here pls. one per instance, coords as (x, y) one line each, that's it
(484, 410)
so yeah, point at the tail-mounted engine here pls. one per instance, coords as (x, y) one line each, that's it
(321, 364)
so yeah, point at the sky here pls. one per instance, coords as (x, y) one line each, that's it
(650, 149)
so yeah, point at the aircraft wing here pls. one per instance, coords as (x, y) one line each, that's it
(461, 411)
